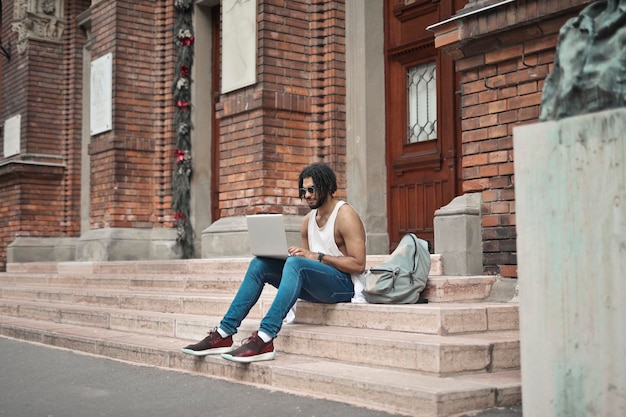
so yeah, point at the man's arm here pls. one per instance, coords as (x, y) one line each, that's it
(350, 239)
(304, 231)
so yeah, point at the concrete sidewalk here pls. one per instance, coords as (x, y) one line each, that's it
(37, 380)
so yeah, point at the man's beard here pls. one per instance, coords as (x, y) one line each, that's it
(320, 203)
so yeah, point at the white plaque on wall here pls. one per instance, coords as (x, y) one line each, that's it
(12, 132)
(101, 94)
(239, 44)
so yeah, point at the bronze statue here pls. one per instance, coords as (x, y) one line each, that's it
(589, 74)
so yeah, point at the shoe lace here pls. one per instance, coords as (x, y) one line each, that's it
(214, 333)
(250, 339)
(256, 340)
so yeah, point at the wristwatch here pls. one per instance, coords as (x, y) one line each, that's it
(320, 255)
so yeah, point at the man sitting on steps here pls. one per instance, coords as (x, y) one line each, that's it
(322, 270)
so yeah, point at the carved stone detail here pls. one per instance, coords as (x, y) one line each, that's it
(37, 19)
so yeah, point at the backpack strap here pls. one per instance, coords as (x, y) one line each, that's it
(414, 254)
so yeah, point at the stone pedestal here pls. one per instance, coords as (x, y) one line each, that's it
(41, 249)
(126, 244)
(570, 179)
(458, 236)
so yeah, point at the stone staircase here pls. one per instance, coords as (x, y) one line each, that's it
(458, 353)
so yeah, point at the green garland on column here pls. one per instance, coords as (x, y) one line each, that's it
(181, 191)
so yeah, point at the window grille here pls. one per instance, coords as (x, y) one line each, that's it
(422, 102)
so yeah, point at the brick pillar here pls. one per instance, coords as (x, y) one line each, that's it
(131, 164)
(292, 116)
(38, 179)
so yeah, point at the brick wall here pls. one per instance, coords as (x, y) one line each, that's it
(40, 185)
(503, 56)
(30, 203)
(328, 50)
(293, 116)
(9, 215)
(132, 164)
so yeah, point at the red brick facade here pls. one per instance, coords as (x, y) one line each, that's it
(295, 113)
(131, 165)
(503, 55)
(266, 131)
(39, 189)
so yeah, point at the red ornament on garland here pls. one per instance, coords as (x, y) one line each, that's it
(187, 41)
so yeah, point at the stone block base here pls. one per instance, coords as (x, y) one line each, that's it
(121, 244)
(41, 249)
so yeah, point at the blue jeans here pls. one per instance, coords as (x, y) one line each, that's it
(295, 278)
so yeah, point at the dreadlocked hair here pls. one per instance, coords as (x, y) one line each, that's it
(323, 177)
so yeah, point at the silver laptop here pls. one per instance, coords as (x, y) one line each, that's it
(267, 236)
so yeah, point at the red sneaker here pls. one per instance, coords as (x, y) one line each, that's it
(213, 344)
(253, 349)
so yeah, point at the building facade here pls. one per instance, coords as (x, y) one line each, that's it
(148, 130)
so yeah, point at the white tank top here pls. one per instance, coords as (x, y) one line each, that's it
(322, 239)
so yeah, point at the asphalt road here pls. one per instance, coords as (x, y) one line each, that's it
(41, 381)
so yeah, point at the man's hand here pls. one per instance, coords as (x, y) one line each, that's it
(301, 252)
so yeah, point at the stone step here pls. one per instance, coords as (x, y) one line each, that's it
(153, 267)
(182, 325)
(399, 391)
(432, 354)
(223, 282)
(459, 352)
(378, 387)
(207, 275)
(431, 318)
(124, 299)
(439, 288)
(168, 267)
(437, 354)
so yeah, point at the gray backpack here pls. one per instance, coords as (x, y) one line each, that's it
(400, 279)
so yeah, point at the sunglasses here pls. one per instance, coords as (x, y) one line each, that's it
(311, 190)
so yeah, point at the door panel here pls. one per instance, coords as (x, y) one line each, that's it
(422, 175)
(414, 197)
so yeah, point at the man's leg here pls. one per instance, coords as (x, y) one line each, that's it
(301, 278)
(219, 340)
(310, 281)
(260, 271)
(325, 284)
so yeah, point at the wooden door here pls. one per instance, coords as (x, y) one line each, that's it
(422, 112)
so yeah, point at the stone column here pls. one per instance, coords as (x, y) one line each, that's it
(571, 223)
(365, 117)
